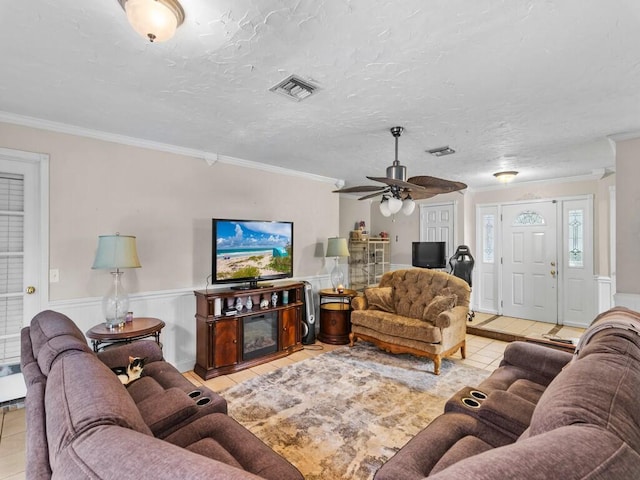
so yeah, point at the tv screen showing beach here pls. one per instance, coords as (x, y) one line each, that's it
(252, 250)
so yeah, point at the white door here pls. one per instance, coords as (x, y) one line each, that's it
(20, 262)
(437, 225)
(530, 280)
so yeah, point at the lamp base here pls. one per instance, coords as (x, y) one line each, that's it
(115, 303)
(337, 277)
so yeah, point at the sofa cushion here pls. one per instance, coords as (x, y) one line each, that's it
(227, 439)
(51, 334)
(84, 393)
(48, 324)
(110, 452)
(144, 388)
(463, 448)
(610, 403)
(166, 409)
(57, 346)
(439, 304)
(527, 390)
(395, 325)
(573, 452)
(380, 298)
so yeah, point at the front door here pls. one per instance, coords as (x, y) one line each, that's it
(19, 261)
(530, 280)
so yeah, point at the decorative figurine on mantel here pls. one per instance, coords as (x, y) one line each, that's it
(274, 299)
(264, 303)
(249, 304)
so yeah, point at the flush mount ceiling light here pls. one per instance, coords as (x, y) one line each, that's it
(441, 151)
(156, 20)
(294, 88)
(505, 177)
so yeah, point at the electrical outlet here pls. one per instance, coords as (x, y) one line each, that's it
(54, 275)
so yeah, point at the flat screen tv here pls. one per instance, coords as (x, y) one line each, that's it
(429, 254)
(249, 251)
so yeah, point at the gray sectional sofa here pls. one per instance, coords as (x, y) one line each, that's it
(543, 414)
(83, 423)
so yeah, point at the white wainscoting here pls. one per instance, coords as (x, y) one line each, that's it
(176, 308)
(629, 300)
(605, 295)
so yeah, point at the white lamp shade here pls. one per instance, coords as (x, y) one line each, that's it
(395, 204)
(408, 206)
(337, 247)
(156, 20)
(384, 208)
(116, 251)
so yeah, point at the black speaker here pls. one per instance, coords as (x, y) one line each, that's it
(308, 316)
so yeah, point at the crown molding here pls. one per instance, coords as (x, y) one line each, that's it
(211, 158)
(620, 137)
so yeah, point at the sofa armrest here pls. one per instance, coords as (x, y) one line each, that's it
(543, 361)
(507, 412)
(118, 355)
(162, 411)
(359, 303)
(450, 317)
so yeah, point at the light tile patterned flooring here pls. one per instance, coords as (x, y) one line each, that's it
(518, 326)
(482, 353)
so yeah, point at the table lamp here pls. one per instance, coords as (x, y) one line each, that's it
(337, 247)
(116, 251)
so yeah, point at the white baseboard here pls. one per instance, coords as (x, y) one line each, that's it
(177, 308)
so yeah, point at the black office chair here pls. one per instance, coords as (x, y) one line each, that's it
(461, 264)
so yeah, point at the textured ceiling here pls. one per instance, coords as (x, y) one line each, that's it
(534, 86)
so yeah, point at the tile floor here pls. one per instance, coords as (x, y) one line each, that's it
(521, 328)
(482, 352)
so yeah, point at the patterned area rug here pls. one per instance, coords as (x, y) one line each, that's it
(342, 414)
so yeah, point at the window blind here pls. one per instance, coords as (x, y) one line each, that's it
(11, 266)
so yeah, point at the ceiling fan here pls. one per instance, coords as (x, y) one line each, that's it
(399, 193)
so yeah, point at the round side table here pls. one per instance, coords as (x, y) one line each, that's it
(335, 316)
(140, 327)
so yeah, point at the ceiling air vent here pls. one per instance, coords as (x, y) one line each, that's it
(294, 88)
(441, 151)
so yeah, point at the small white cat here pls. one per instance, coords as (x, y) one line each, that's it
(131, 372)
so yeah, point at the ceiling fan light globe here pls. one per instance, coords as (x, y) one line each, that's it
(384, 208)
(408, 206)
(395, 204)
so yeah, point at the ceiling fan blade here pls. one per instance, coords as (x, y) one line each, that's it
(358, 189)
(419, 195)
(396, 183)
(373, 194)
(437, 185)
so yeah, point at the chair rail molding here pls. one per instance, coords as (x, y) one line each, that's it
(177, 308)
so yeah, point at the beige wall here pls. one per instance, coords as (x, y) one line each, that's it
(407, 229)
(352, 211)
(628, 217)
(167, 201)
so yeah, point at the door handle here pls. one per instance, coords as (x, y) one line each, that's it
(31, 290)
(553, 273)
(553, 264)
